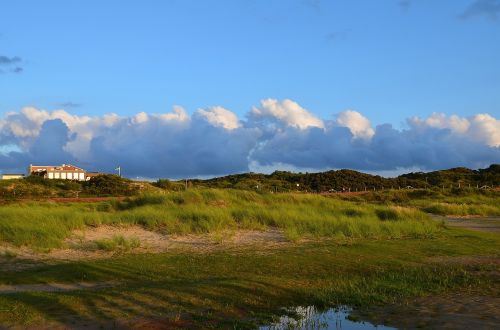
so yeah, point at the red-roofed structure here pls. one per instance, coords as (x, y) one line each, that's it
(64, 172)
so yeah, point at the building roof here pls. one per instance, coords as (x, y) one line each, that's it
(52, 168)
(92, 174)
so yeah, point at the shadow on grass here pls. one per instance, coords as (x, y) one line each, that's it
(210, 302)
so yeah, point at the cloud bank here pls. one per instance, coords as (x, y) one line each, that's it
(214, 141)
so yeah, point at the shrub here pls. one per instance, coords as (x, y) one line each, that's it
(109, 185)
(387, 214)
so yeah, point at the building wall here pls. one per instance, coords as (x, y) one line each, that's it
(64, 172)
(12, 176)
(66, 175)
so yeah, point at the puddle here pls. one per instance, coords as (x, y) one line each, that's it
(310, 318)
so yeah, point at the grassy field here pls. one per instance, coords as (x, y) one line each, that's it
(361, 251)
(458, 202)
(243, 288)
(45, 225)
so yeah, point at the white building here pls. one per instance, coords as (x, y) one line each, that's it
(64, 172)
(10, 176)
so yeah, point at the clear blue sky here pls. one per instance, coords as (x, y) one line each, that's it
(388, 59)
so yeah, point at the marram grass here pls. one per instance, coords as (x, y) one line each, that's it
(200, 211)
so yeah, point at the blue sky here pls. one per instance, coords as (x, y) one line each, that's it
(383, 58)
(301, 63)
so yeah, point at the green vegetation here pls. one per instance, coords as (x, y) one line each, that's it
(458, 202)
(279, 181)
(348, 180)
(200, 211)
(344, 249)
(241, 289)
(118, 242)
(38, 187)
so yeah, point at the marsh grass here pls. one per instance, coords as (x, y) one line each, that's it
(209, 211)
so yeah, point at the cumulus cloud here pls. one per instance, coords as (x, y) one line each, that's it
(358, 124)
(482, 128)
(218, 116)
(214, 141)
(286, 112)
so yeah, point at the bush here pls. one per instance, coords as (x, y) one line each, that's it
(109, 185)
(169, 185)
(387, 214)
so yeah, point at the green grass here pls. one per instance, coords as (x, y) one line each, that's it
(118, 242)
(459, 202)
(227, 289)
(45, 225)
(371, 249)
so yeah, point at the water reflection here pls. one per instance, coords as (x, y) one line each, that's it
(310, 318)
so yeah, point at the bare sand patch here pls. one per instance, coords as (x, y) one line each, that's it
(82, 244)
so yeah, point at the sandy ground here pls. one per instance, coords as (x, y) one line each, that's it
(486, 224)
(81, 244)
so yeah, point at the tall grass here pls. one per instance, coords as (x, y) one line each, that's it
(460, 202)
(45, 225)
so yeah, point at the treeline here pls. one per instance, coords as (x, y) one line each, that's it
(345, 180)
(279, 181)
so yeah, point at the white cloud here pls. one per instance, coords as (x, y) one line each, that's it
(358, 124)
(440, 120)
(218, 116)
(140, 118)
(482, 127)
(486, 128)
(287, 112)
(214, 141)
(178, 114)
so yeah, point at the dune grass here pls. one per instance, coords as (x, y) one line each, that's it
(389, 258)
(200, 211)
(117, 243)
(458, 202)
